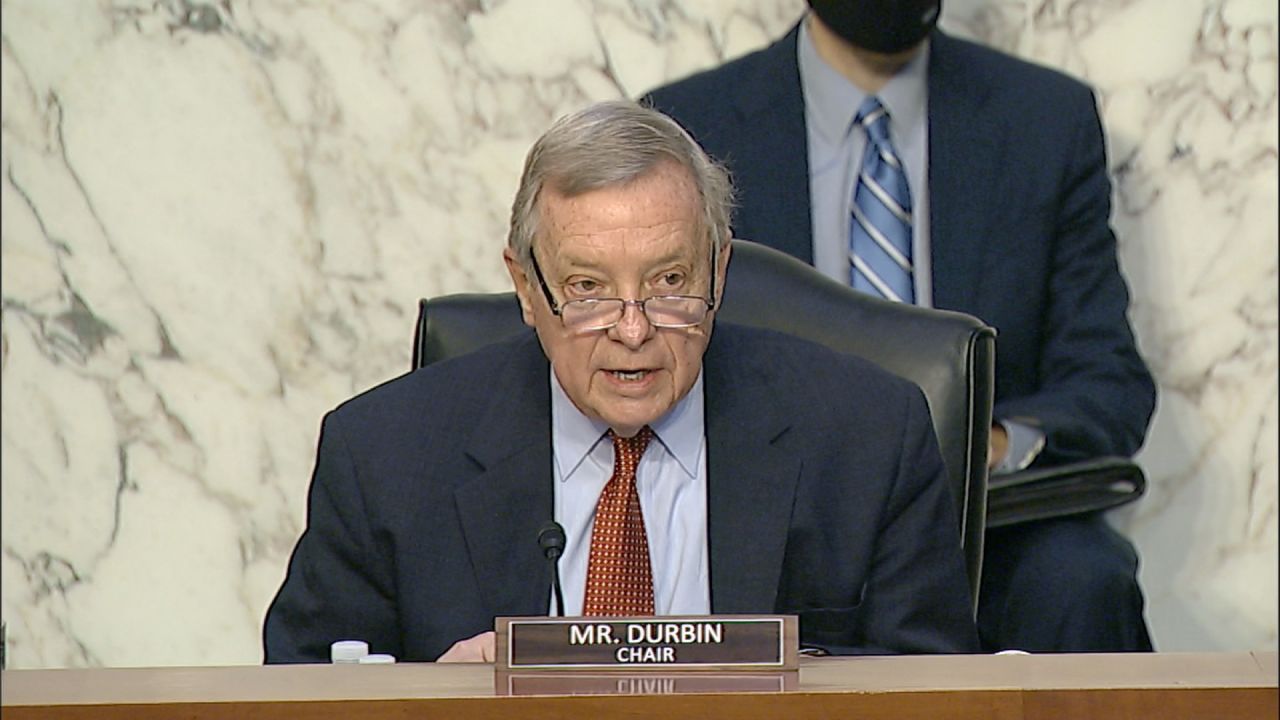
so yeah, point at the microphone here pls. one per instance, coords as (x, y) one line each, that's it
(551, 540)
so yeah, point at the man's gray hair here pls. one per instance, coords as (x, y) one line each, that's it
(609, 144)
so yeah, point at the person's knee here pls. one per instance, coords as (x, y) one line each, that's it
(1068, 585)
(1078, 562)
(1102, 586)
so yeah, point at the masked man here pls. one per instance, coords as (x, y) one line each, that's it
(928, 169)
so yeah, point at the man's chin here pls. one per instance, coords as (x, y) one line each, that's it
(630, 426)
(628, 421)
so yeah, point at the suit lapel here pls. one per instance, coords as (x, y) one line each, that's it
(964, 158)
(751, 481)
(770, 106)
(502, 507)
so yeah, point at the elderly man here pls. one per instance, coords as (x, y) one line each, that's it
(734, 471)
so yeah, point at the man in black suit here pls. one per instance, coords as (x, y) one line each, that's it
(1009, 212)
(778, 476)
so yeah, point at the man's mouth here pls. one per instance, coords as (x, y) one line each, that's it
(630, 375)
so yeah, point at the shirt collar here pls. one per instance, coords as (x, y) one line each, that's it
(831, 101)
(575, 435)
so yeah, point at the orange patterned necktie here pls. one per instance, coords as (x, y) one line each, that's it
(619, 577)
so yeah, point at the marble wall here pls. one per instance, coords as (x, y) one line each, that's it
(217, 218)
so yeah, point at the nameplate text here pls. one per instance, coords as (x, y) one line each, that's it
(712, 642)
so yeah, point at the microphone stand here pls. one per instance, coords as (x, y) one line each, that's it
(551, 539)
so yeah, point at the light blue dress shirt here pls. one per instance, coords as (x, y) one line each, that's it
(835, 153)
(671, 480)
(836, 145)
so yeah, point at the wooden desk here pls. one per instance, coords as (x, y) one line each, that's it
(1167, 686)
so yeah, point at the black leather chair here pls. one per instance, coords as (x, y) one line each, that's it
(949, 355)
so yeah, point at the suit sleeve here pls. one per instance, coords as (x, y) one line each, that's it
(1093, 393)
(917, 595)
(913, 594)
(338, 585)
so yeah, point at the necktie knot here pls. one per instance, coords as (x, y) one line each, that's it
(874, 119)
(627, 451)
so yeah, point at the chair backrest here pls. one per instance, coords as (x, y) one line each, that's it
(950, 355)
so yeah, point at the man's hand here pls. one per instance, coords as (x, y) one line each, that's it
(480, 648)
(999, 446)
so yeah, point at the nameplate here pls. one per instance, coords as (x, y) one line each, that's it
(702, 642)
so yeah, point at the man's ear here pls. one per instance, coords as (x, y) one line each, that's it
(722, 272)
(523, 287)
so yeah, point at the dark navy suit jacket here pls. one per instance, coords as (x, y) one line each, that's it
(826, 497)
(1019, 202)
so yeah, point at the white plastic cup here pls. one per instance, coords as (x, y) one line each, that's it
(348, 651)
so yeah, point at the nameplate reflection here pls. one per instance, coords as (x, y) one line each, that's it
(612, 683)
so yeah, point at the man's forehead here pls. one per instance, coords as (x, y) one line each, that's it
(656, 216)
(651, 246)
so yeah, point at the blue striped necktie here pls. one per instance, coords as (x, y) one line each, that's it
(880, 229)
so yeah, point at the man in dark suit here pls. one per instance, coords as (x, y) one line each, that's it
(772, 476)
(1009, 210)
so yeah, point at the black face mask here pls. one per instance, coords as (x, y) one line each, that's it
(883, 26)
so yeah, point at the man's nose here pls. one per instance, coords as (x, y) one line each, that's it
(634, 326)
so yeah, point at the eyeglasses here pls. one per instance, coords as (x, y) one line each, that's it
(662, 311)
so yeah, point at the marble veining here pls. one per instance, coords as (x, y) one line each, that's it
(218, 217)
